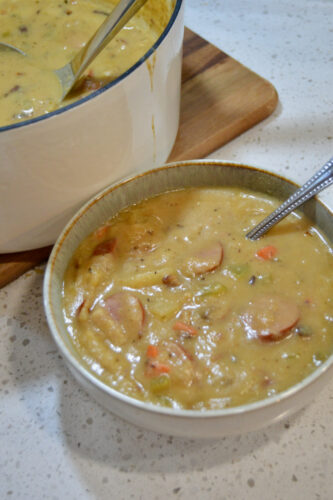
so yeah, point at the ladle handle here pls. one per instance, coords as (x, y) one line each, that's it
(319, 181)
(123, 11)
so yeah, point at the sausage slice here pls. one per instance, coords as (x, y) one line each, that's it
(127, 309)
(121, 318)
(205, 260)
(104, 247)
(270, 317)
(181, 363)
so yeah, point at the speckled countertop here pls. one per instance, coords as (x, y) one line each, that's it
(57, 443)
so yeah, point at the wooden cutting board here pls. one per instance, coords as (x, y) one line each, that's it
(220, 99)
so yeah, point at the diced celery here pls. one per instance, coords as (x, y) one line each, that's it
(165, 401)
(290, 355)
(239, 269)
(318, 358)
(265, 278)
(160, 384)
(213, 289)
(304, 331)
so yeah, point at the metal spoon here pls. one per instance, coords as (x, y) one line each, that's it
(69, 74)
(319, 181)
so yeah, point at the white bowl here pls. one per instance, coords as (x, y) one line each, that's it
(51, 164)
(187, 423)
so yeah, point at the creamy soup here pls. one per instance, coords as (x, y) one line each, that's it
(168, 302)
(51, 33)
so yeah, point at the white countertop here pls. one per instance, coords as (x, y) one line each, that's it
(56, 442)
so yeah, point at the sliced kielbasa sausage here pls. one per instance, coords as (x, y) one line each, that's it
(182, 370)
(106, 246)
(205, 259)
(121, 317)
(127, 309)
(270, 317)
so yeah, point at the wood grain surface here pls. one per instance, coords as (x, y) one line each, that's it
(220, 99)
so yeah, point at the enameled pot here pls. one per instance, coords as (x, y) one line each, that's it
(51, 164)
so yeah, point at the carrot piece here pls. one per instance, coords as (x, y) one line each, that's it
(267, 253)
(154, 368)
(162, 368)
(152, 351)
(183, 327)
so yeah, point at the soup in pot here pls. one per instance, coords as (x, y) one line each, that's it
(169, 303)
(51, 33)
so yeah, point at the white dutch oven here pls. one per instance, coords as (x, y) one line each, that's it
(51, 164)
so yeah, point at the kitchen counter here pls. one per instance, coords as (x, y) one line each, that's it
(56, 442)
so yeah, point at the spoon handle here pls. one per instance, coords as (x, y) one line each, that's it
(123, 11)
(4, 45)
(319, 181)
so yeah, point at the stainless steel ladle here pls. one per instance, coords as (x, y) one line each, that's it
(69, 74)
(319, 181)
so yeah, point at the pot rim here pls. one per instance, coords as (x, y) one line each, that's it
(137, 404)
(111, 84)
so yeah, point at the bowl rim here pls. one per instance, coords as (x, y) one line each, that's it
(138, 404)
(111, 84)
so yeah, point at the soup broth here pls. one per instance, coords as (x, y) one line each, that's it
(51, 34)
(168, 302)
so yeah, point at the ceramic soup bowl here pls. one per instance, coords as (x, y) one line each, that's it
(189, 423)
